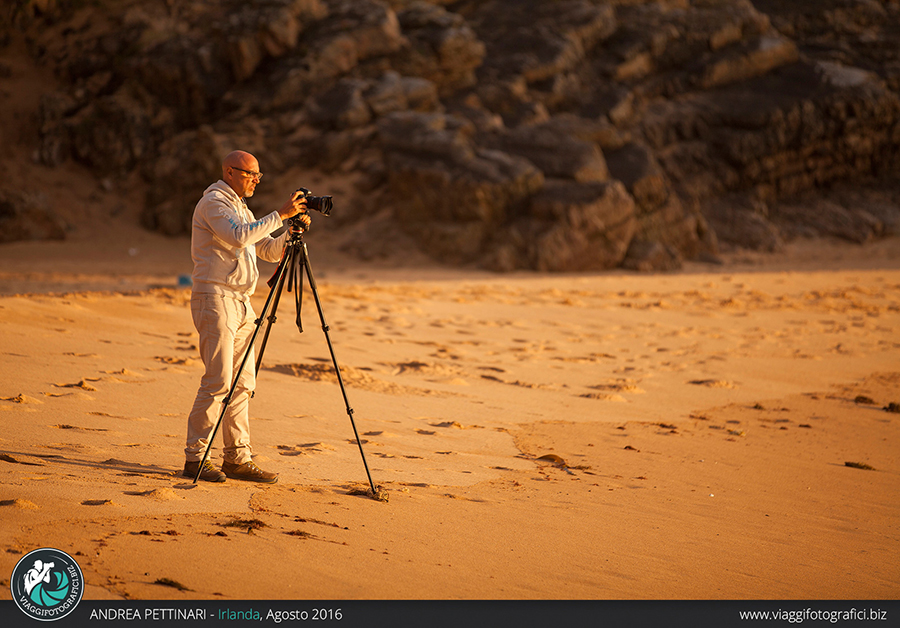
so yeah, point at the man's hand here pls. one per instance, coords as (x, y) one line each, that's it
(294, 206)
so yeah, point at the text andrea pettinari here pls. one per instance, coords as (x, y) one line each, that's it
(157, 614)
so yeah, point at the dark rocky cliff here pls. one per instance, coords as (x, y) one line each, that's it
(551, 135)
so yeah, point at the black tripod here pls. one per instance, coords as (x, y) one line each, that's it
(294, 257)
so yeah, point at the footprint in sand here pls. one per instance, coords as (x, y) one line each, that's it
(587, 359)
(304, 449)
(133, 378)
(83, 384)
(159, 494)
(129, 466)
(119, 416)
(175, 361)
(456, 425)
(66, 426)
(553, 459)
(185, 345)
(610, 391)
(604, 397)
(22, 504)
(424, 368)
(433, 372)
(446, 353)
(21, 399)
(711, 383)
(520, 383)
(621, 385)
(76, 394)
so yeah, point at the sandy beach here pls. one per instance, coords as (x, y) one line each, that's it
(603, 436)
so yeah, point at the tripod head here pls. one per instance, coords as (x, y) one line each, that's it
(296, 225)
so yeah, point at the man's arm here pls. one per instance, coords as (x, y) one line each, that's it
(224, 222)
(270, 249)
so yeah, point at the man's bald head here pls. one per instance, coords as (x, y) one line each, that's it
(239, 159)
(240, 170)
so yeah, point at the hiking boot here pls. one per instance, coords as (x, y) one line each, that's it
(209, 472)
(248, 471)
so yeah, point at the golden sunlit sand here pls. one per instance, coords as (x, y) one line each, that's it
(715, 433)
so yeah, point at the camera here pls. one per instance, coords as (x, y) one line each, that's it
(321, 204)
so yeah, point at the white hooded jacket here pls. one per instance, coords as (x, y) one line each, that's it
(225, 241)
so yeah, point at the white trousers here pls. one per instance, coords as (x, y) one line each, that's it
(225, 326)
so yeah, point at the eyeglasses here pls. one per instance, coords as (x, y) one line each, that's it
(253, 175)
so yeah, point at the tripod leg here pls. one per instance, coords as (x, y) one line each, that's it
(304, 259)
(277, 286)
(286, 259)
(298, 298)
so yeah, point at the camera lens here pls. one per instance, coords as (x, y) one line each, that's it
(322, 204)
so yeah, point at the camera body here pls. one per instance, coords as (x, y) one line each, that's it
(321, 204)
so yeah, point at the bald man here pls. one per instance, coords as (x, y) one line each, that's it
(225, 242)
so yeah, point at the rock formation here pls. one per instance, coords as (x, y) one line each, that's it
(552, 135)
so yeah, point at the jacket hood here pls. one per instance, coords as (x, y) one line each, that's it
(224, 188)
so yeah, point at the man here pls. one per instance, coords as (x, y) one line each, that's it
(225, 241)
(39, 573)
